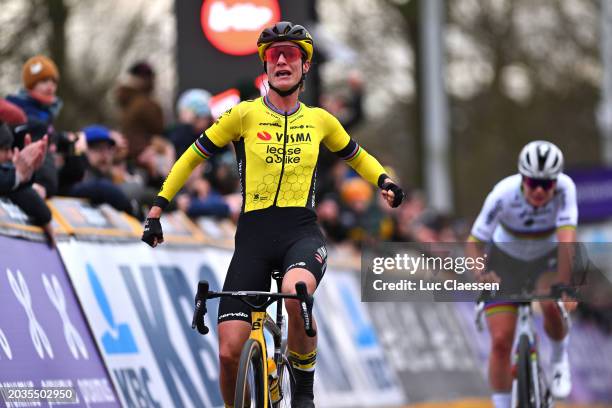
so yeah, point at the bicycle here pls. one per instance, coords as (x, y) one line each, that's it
(530, 389)
(256, 386)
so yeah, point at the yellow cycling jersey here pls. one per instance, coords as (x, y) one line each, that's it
(276, 153)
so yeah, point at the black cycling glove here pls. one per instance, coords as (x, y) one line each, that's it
(397, 191)
(152, 230)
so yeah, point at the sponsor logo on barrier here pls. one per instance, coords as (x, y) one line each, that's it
(155, 324)
(365, 339)
(44, 340)
(119, 339)
(72, 336)
(134, 386)
(6, 347)
(37, 333)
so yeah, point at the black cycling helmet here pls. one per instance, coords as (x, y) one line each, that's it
(285, 31)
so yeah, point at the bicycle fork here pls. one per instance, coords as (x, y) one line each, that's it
(258, 320)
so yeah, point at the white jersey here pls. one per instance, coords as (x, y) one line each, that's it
(520, 229)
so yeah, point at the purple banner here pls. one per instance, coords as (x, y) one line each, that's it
(590, 353)
(594, 193)
(44, 338)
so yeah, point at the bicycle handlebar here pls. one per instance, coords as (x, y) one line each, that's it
(556, 293)
(203, 294)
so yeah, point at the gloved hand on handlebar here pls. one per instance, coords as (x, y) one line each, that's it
(152, 234)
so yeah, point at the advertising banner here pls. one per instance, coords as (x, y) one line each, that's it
(427, 347)
(44, 338)
(139, 303)
(351, 365)
(594, 193)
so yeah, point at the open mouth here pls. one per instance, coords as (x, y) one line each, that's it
(282, 73)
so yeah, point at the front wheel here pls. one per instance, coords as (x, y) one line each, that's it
(286, 380)
(250, 379)
(525, 387)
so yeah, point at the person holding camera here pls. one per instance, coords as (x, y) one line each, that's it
(90, 175)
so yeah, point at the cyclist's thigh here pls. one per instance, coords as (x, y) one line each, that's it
(247, 271)
(501, 321)
(307, 252)
(515, 274)
(545, 271)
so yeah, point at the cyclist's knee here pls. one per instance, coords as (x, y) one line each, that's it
(228, 355)
(232, 335)
(501, 343)
(295, 275)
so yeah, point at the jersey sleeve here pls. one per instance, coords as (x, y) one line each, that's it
(567, 215)
(227, 128)
(178, 175)
(488, 219)
(339, 142)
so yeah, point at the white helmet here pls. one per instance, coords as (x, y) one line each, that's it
(540, 159)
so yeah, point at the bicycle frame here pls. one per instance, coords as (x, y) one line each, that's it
(525, 327)
(261, 320)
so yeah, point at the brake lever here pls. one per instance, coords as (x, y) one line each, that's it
(479, 312)
(306, 302)
(200, 308)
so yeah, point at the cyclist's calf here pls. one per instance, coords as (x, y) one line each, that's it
(501, 328)
(232, 335)
(554, 324)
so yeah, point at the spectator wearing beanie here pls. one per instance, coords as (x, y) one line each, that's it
(41, 105)
(38, 97)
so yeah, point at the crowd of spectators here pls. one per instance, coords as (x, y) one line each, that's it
(125, 167)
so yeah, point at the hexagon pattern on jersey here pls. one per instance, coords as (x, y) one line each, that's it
(293, 192)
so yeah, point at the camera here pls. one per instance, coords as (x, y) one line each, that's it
(64, 142)
(35, 130)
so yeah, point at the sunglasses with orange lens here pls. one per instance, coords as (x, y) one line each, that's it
(291, 53)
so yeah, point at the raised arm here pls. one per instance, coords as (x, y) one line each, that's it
(340, 143)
